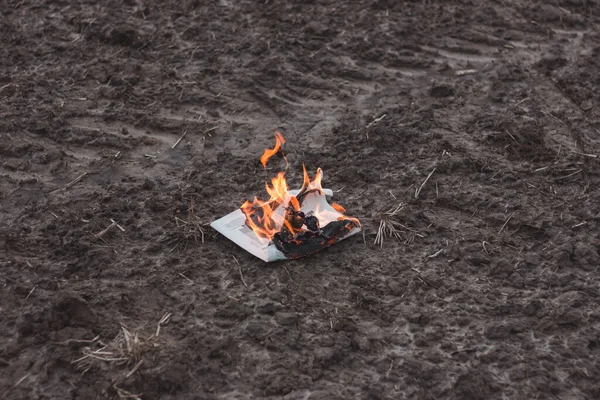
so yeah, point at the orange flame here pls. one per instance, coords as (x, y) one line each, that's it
(294, 203)
(264, 159)
(338, 208)
(342, 211)
(266, 218)
(315, 184)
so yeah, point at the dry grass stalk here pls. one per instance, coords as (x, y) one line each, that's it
(179, 140)
(418, 190)
(376, 120)
(74, 181)
(103, 232)
(191, 228)
(240, 270)
(126, 349)
(389, 226)
(31, 292)
(464, 72)
(124, 394)
(506, 223)
(163, 321)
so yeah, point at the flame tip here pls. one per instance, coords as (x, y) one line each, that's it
(268, 153)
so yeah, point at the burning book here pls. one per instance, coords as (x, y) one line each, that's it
(291, 223)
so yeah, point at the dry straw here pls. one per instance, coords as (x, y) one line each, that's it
(389, 226)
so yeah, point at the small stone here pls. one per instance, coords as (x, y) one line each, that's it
(586, 105)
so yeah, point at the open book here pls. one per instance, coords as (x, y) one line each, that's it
(233, 226)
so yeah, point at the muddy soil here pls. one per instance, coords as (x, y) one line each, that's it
(113, 285)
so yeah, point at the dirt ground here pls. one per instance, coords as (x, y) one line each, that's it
(491, 292)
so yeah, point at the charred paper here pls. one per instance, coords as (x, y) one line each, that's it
(290, 224)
